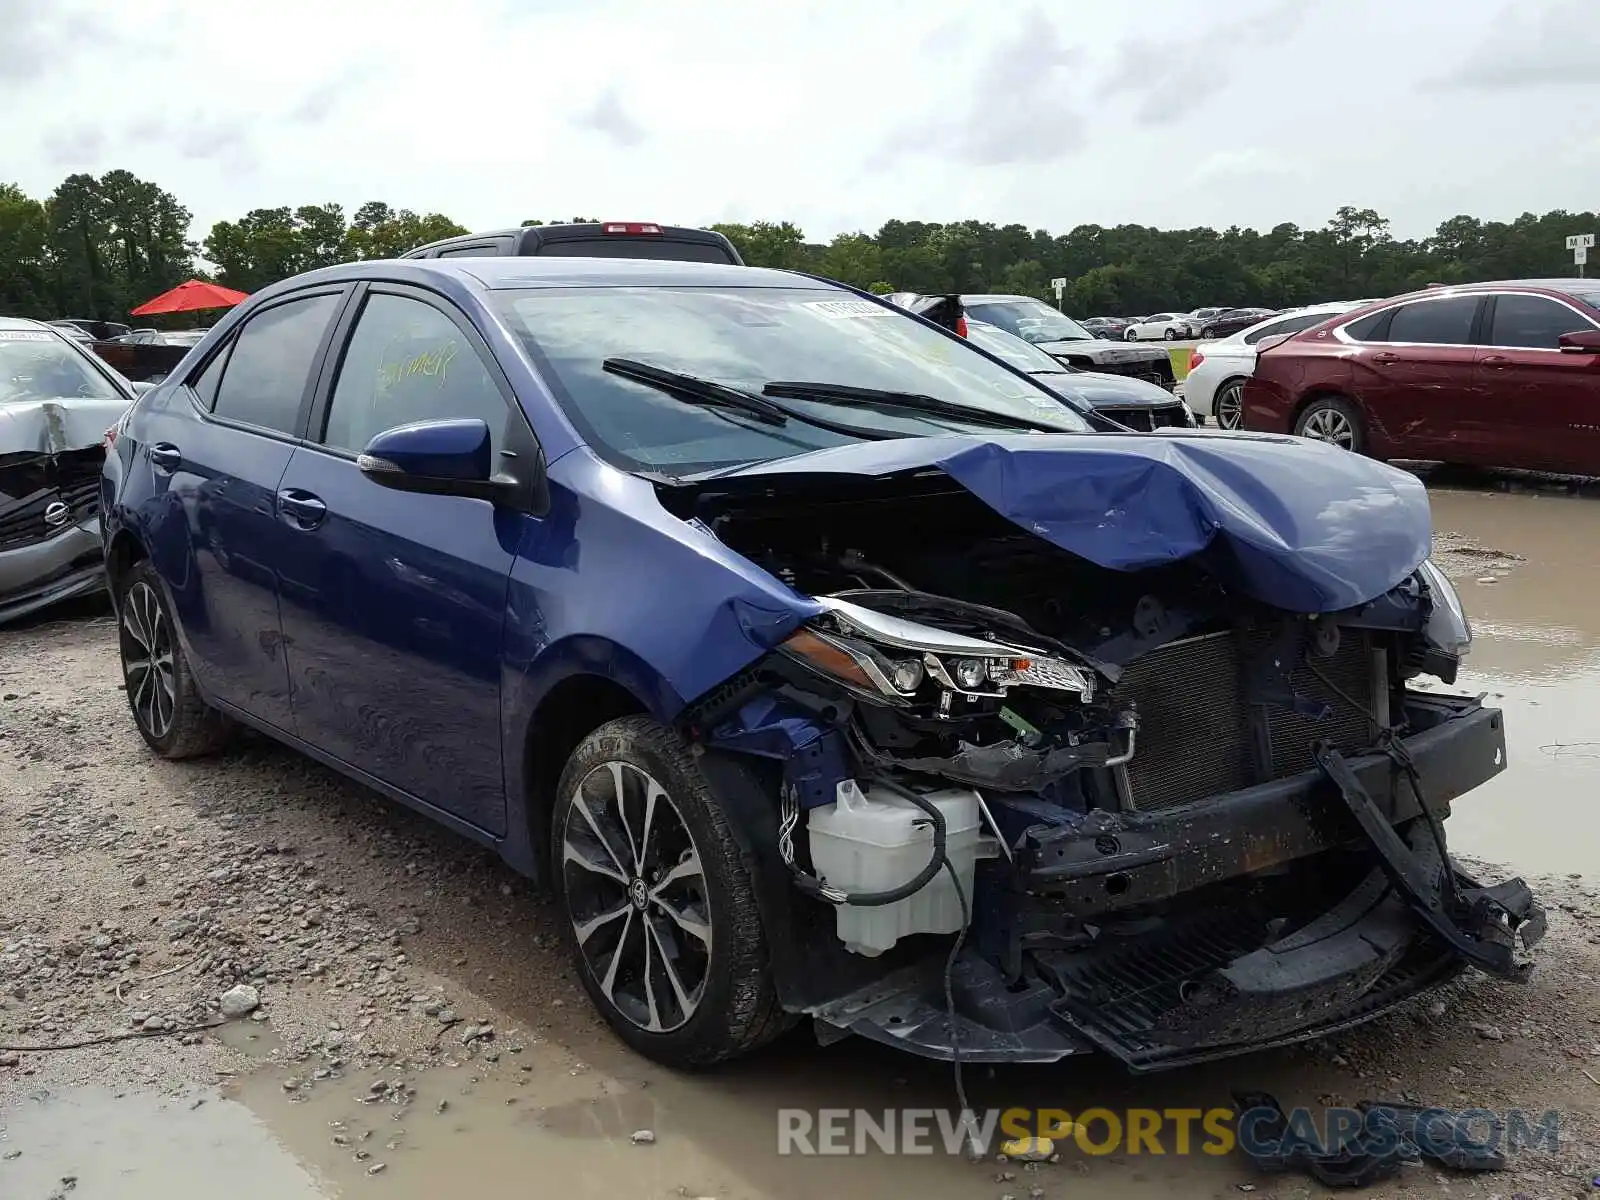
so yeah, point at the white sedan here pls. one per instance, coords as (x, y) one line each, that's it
(1218, 370)
(1170, 326)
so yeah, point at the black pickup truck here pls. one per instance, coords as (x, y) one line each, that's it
(604, 239)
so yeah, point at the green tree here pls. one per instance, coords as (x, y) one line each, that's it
(25, 289)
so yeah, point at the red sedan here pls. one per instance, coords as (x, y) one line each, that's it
(1491, 374)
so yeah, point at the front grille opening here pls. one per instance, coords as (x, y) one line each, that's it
(1199, 736)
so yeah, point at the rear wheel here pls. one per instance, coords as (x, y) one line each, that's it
(1171, 335)
(167, 708)
(662, 915)
(1334, 420)
(1229, 404)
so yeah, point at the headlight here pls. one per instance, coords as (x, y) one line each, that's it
(1447, 628)
(881, 656)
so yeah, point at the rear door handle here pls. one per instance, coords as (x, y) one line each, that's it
(164, 456)
(301, 508)
(1385, 358)
(1496, 360)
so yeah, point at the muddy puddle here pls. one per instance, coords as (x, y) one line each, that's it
(549, 1127)
(1527, 564)
(93, 1142)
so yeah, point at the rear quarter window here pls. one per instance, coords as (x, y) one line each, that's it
(633, 247)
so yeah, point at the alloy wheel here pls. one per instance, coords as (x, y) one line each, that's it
(147, 659)
(636, 895)
(1230, 410)
(1329, 425)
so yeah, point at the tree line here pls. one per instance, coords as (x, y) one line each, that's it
(96, 247)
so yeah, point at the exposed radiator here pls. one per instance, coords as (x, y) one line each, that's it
(1197, 734)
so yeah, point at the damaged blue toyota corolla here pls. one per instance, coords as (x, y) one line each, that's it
(821, 663)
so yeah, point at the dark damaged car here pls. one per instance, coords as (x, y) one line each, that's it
(824, 665)
(56, 403)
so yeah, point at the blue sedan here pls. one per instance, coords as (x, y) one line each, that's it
(823, 663)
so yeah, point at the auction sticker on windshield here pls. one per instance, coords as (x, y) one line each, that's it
(25, 335)
(837, 309)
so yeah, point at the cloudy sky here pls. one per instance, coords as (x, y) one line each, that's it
(836, 115)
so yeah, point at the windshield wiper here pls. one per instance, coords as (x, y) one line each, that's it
(708, 393)
(841, 393)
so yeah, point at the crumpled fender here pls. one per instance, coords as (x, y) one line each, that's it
(1300, 525)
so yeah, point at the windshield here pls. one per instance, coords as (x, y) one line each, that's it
(1030, 320)
(747, 338)
(1025, 356)
(35, 365)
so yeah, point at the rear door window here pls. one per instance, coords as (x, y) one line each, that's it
(267, 371)
(1532, 322)
(477, 250)
(1446, 322)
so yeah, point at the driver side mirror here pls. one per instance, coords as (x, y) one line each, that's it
(1271, 340)
(447, 458)
(1582, 341)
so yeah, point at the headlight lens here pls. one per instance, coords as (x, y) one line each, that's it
(866, 650)
(1447, 627)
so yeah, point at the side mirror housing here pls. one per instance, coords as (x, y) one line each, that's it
(141, 386)
(1582, 341)
(1271, 340)
(438, 458)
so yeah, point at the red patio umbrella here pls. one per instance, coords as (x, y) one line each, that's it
(187, 297)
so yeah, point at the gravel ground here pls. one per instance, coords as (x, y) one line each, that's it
(144, 900)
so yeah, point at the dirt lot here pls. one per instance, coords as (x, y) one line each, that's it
(414, 1024)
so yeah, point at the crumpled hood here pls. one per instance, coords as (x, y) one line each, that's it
(1297, 524)
(1105, 350)
(52, 426)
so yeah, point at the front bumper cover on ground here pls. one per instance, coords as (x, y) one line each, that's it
(1218, 982)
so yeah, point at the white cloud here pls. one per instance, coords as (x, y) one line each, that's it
(834, 114)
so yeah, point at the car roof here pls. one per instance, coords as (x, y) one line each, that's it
(22, 323)
(996, 297)
(1566, 287)
(514, 271)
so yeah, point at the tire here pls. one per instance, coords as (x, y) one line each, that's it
(1130, 336)
(167, 708)
(1227, 405)
(1335, 420)
(687, 912)
(1171, 335)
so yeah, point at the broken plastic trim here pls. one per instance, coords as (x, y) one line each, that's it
(1390, 1136)
(1480, 923)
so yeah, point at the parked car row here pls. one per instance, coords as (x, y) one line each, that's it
(1219, 369)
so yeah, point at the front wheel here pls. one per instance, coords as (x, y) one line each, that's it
(1334, 420)
(662, 915)
(1130, 336)
(168, 710)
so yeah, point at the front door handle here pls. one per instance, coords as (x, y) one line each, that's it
(1385, 358)
(301, 508)
(1499, 361)
(165, 457)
